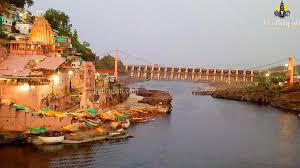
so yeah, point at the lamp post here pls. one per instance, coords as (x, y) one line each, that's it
(55, 79)
(70, 74)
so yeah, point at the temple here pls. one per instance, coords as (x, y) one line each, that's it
(40, 42)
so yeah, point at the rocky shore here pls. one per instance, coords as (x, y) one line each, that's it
(284, 98)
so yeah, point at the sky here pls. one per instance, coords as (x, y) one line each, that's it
(183, 32)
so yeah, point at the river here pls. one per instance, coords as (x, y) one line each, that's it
(200, 132)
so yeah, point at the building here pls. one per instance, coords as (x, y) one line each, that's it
(5, 24)
(24, 28)
(63, 44)
(41, 40)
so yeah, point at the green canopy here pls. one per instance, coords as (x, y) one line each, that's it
(19, 107)
(91, 111)
(45, 110)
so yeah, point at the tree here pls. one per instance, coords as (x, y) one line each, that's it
(86, 53)
(86, 44)
(59, 21)
(75, 35)
(277, 77)
(3, 8)
(108, 62)
(19, 3)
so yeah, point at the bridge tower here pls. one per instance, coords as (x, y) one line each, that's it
(207, 73)
(244, 75)
(222, 74)
(145, 72)
(166, 73)
(116, 64)
(172, 73)
(252, 75)
(236, 74)
(200, 74)
(179, 74)
(193, 73)
(215, 73)
(152, 71)
(139, 72)
(291, 71)
(186, 73)
(132, 72)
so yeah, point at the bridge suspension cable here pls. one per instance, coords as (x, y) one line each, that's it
(129, 56)
(267, 65)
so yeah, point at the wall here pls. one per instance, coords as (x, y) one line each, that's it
(3, 53)
(30, 98)
(23, 28)
(12, 120)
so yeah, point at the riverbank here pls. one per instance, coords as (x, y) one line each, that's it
(99, 124)
(284, 98)
(278, 97)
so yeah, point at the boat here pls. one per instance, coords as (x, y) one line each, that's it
(51, 140)
(140, 120)
(126, 124)
(118, 137)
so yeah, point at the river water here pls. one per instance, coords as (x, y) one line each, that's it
(200, 132)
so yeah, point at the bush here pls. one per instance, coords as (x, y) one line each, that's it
(277, 77)
(3, 35)
(11, 38)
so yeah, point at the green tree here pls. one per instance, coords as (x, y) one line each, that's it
(277, 77)
(263, 81)
(59, 21)
(108, 62)
(75, 35)
(86, 44)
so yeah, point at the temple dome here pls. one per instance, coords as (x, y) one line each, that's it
(41, 32)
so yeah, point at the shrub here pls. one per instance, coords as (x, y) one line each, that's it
(11, 38)
(3, 35)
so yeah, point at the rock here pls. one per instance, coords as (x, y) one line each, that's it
(288, 99)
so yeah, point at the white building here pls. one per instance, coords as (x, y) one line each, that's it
(76, 63)
(5, 23)
(24, 28)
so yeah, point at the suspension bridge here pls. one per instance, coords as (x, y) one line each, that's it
(147, 70)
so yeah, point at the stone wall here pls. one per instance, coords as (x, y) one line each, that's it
(3, 53)
(30, 98)
(18, 120)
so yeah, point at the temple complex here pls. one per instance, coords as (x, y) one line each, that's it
(40, 42)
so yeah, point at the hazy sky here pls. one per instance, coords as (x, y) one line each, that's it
(183, 32)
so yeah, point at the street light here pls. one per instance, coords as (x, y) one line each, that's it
(25, 87)
(268, 74)
(55, 78)
(70, 74)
